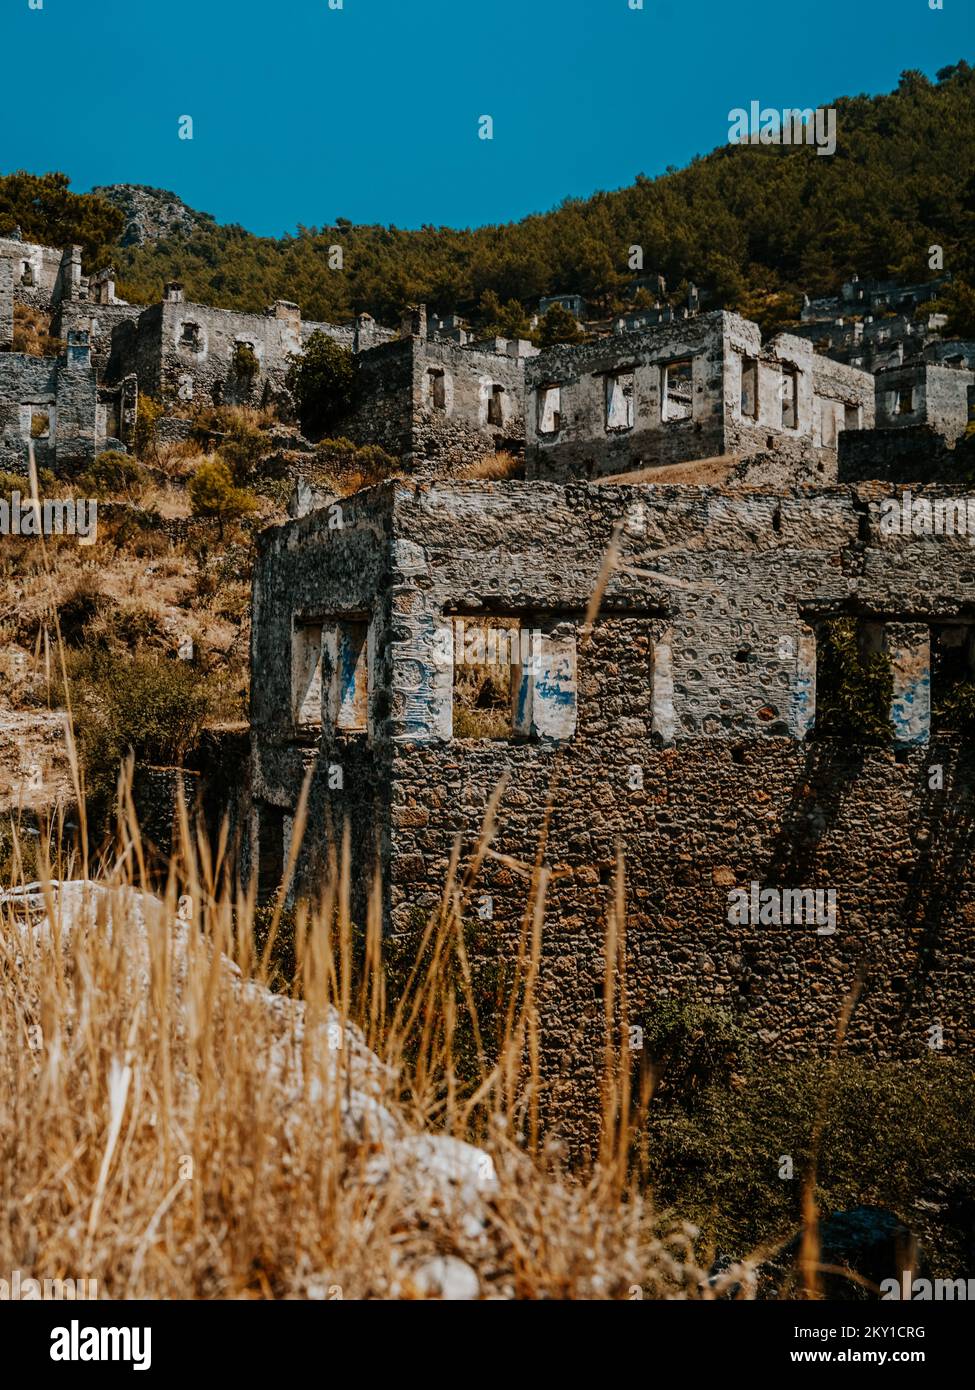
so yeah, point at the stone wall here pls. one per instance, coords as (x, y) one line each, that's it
(221, 761)
(184, 352)
(28, 387)
(55, 400)
(98, 320)
(343, 334)
(461, 431)
(136, 350)
(382, 412)
(308, 572)
(582, 445)
(155, 794)
(682, 729)
(78, 435)
(844, 399)
(36, 270)
(911, 454)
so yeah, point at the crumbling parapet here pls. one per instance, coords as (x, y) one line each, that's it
(77, 434)
(68, 284)
(414, 322)
(912, 454)
(364, 332)
(101, 287)
(36, 270)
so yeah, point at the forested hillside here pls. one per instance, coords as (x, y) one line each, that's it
(753, 226)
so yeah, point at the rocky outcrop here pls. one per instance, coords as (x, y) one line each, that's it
(151, 214)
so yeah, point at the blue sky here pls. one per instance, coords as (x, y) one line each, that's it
(303, 114)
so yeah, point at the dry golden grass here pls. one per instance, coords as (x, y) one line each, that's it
(483, 692)
(32, 333)
(167, 594)
(493, 468)
(165, 499)
(170, 1131)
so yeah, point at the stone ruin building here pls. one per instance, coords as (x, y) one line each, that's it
(429, 394)
(182, 353)
(433, 399)
(687, 726)
(926, 393)
(53, 403)
(436, 404)
(699, 389)
(738, 487)
(41, 275)
(573, 303)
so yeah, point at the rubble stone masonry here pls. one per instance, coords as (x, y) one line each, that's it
(682, 730)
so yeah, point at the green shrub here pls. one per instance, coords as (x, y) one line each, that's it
(47, 212)
(243, 449)
(47, 484)
(147, 705)
(690, 1046)
(140, 531)
(346, 467)
(320, 381)
(213, 494)
(245, 363)
(959, 304)
(147, 418)
(504, 320)
(78, 607)
(890, 1138)
(956, 708)
(112, 474)
(559, 326)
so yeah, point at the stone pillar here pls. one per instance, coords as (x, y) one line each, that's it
(664, 718)
(422, 655)
(802, 695)
(365, 333)
(546, 702)
(79, 349)
(909, 649)
(6, 304)
(102, 287)
(77, 401)
(128, 408)
(288, 316)
(68, 287)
